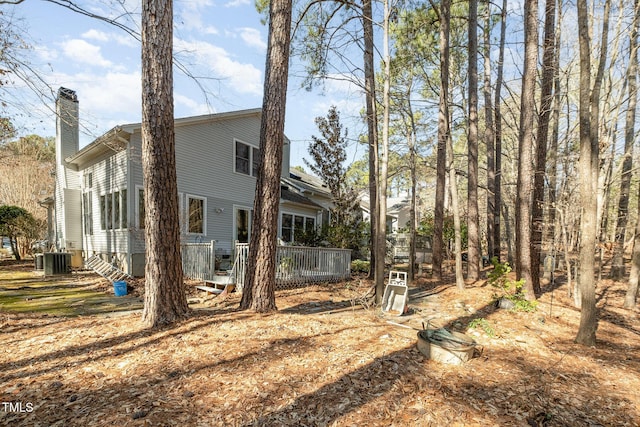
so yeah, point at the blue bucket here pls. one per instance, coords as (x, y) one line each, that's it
(120, 288)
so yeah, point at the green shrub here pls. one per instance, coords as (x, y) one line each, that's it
(359, 266)
(482, 323)
(509, 289)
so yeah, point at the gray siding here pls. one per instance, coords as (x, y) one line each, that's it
(205, 160)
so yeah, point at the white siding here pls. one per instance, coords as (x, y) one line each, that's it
(109, 175)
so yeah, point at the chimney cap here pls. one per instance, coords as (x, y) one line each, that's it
(69, 94)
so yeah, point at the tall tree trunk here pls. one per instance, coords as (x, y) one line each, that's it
(553, 143)
(588, 172)
(632, 290)
(497, 190)
(617, 264)
(165, 300)
(372, 128)
(383, 155)
(455, 207)
(524, 269)
(259, 292)
(414, 179)
(473, 221)
(489, 136)
(443, 135)
(548, 70)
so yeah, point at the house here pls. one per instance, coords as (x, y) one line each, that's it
(311, 188)
(99, 203)
(398, 211)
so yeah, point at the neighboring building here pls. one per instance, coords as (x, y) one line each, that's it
(397, 211)
(99, 204)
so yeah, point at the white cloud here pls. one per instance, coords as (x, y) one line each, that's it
(94, 34)
(237, 3)
(191, 14)
(252, 38)
(46, 54)
(85, 53)
(243, 78)
(194, 108)
(101, 36)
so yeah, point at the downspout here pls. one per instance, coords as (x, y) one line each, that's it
(131, 195)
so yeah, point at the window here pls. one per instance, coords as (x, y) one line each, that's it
(108, 211)
(116, 209)
(103, 219)
(197, 216)
(287, 227)
(113, 210)
(87, 212)
(247, 159)
(123, 209)
(255, 161)
(243, 225)
(309, 223)
(88, 180)
(292, 224)
(140, 208)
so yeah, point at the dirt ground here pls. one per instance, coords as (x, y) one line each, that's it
(324, 360)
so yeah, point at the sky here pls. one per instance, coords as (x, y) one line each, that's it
(221, 41)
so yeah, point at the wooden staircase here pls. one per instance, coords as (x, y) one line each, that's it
(106, 270)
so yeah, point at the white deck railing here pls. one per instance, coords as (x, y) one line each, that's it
(297, 266)
(199, 260)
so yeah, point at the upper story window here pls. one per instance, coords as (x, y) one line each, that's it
(247, 158)
(87, 180)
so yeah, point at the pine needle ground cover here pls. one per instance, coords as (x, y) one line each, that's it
(323, 359)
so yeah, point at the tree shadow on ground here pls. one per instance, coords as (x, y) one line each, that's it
(117, 345)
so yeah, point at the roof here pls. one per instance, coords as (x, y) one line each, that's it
(116, 139)
(291, 196)
(307, 183)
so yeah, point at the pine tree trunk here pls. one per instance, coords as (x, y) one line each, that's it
(588, 171)
(455, 207)
(617, 264)
(553, 145)
(497, 191)
(443, 134)
(383, 155)
(165, 300)
(548, 69)
(473, 221)
(414, 179)
(524, 269)
(372, 128)
(489, 136)
(634, 276)
(259, 292)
